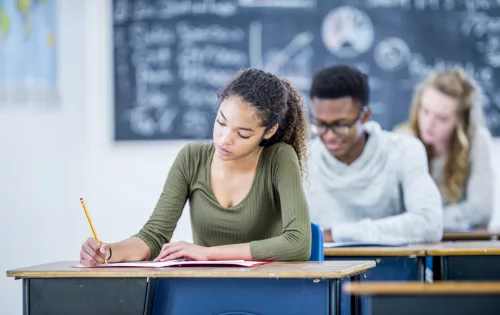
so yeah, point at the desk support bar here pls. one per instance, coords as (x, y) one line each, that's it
(356, 299)
(150, 295)
(443, 267)
(26, 296)
(335, 296)
(421, 266)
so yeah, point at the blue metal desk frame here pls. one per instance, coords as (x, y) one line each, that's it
(389, 267)
(172, 296)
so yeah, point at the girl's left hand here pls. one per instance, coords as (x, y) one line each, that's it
(186, 250)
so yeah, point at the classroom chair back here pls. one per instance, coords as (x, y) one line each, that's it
(317, 243)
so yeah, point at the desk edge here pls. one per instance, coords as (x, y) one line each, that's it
(157, 273)
(421, 288)
(336, 252)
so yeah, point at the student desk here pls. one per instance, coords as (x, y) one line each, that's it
(393, 263)
(475, 235)
(277, 288)
(412, 298)
(466, 261)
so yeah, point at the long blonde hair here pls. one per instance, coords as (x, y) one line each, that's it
(456, 84)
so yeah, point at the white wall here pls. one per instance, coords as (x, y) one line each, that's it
(68, 152)
(125, 179)
(51, 158)
(41, 169)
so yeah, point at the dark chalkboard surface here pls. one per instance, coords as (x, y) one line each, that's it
(171, 57)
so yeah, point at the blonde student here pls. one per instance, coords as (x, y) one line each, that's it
(447, 116)
(244, 189)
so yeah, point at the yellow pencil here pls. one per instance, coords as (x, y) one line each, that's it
(91, 225)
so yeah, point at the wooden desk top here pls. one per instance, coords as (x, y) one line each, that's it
(403, 288)
(410, 250)
(308, 270)
(458, 248)
(464, 248)
(476, 235)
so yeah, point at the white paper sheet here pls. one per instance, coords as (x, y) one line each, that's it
(177, 263)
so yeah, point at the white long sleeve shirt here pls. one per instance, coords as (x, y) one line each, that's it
(477, 200)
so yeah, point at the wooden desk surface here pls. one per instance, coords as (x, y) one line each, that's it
(445, 248)
(309, 270)
(476, 235)
(410, 250)
(464, 248)
(415, 287)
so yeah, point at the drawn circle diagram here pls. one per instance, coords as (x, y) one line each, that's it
(347, 32)
(392, 54)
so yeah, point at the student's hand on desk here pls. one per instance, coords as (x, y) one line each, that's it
(327, 236)
(177, 250)
(92, 253)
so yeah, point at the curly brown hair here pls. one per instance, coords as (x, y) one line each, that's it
(456, 84)
(277, 102)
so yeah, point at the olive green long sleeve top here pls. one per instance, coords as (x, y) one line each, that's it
(273, 217)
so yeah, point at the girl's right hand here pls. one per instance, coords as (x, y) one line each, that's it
(93, 254)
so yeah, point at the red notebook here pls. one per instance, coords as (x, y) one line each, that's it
(182, 263)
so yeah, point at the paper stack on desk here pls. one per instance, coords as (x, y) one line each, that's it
(181, 263)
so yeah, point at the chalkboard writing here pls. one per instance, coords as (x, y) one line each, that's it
(172, 56)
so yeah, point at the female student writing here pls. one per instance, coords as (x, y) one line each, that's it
(244, 189)
(447, 117)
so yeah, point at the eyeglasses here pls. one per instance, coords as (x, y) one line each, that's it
(340, 129)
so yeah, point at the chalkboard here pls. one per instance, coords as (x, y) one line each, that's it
(171, 57)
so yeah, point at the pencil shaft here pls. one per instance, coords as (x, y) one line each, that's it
(91, 225)
(90, 222)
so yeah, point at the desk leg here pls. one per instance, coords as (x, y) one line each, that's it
(443, 268)
(26, 296)
(335, 297)
(421, 265)
(436, 268)
(150, 294)
(356, 299)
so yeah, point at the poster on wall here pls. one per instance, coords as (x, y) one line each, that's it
(28, 54)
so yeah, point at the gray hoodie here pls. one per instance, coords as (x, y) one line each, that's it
(386, 195)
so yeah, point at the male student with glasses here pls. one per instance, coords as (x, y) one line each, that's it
(363, 183)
